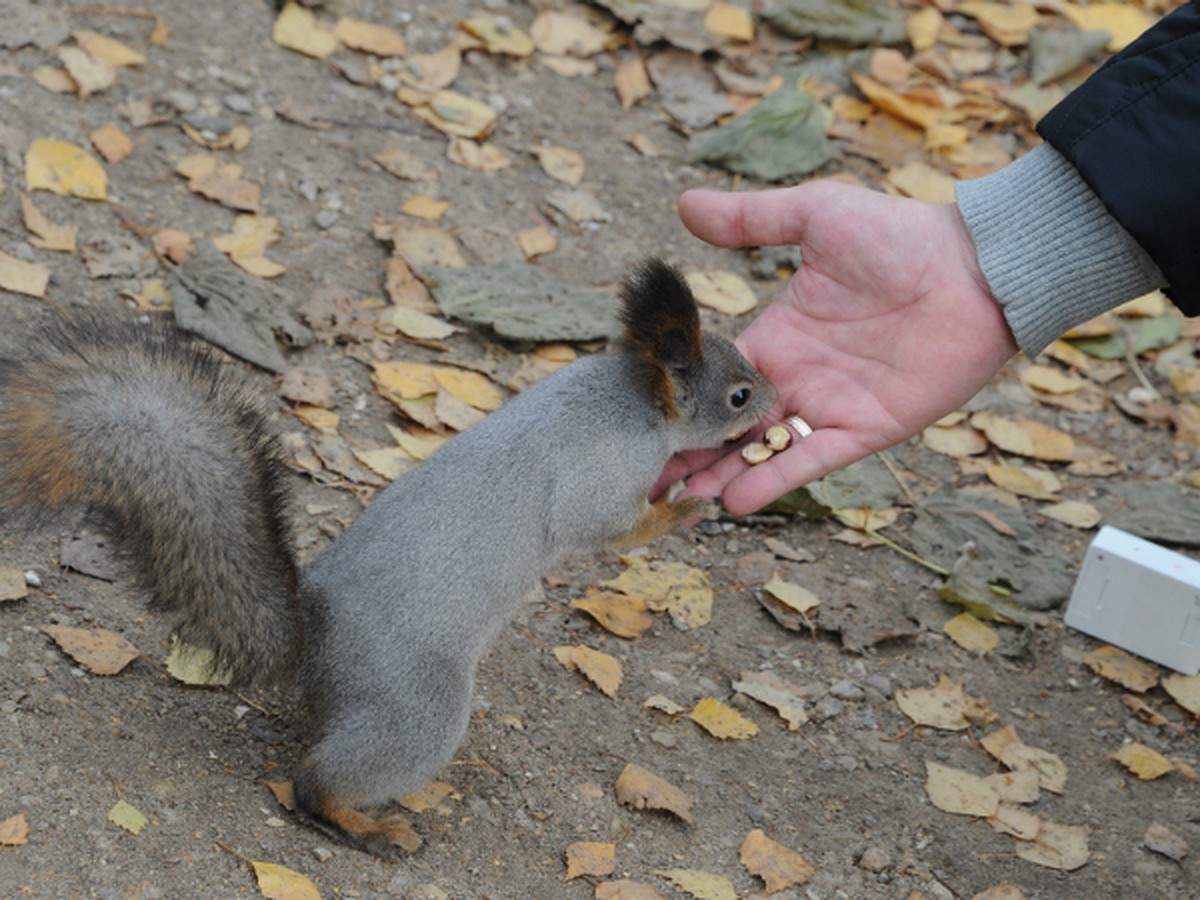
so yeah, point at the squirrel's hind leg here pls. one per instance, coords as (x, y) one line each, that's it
(383, 837)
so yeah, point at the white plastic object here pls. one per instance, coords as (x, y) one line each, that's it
(1140, 597)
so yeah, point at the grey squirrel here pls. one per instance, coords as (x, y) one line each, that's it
(172, 457)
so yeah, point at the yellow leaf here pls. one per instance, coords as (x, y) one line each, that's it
(1063, 847)
(955, 791)
(642, 789)
(107, 49)
(471, 388)
(499, 36)
(958, 441)
(591, 858)
(561, 164)
(683, 591)
(54, 80)
(404, 380)
(971, 634)
(778, 866)
(1017, 822)
(128, 817)
(457, 114)
(12, 584)
(1184, 690)
(1124, 22)
(281, 883)
(1008, 748)
(390, 462)
(1125, 669)
(415, 323)
(1025, 437)
(1147, 306)
(623, 615)
(1051, 380)
(729, 21)
(63, 168)
(102, 652)
(722, 721)
(48, 235)
(1024, 481)
(296, 28)
(22, 277)
(378, 40)
(427, 798)
(90, 75)
(561, 34)
(723, 291)
(701, 885)
(1007, 24)
(1023, 786)
(923, 27)
(922, 115)
(1075, 513)
(424, 247)
(801, 599)
(1144, 762)
(946, 706)
(194, 665)
(922, 181)
(626, 889)
(599, 668)
(632, 82)
(422, 207)
(485, 157)
(14, 831)
(536, 241)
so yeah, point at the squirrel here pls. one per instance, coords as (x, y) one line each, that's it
(171, 455)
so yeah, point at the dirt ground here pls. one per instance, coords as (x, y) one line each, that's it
(846, 790)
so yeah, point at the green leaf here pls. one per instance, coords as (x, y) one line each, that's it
(850, 21)
(782, 136)
(1143, 335)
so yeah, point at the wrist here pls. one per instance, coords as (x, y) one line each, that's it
(1051, 254)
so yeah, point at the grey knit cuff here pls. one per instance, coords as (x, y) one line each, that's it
(1052, 254)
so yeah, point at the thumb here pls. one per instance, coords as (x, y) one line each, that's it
(751, 219)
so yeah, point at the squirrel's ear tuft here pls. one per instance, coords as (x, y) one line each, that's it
(659, 313)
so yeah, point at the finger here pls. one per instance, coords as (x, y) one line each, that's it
(758, 218)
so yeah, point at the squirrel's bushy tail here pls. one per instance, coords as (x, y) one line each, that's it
(171, 457)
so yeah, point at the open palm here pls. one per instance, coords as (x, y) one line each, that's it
(887, 326)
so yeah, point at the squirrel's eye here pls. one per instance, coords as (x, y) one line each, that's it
(739, 398)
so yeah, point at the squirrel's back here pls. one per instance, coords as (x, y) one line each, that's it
(169, 453)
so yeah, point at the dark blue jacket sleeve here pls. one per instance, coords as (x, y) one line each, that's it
(1132, 131)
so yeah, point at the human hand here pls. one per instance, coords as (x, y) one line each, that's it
(887, 326)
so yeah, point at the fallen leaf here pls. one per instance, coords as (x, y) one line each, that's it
(499, 35)
(632, 82)
(1123, 22)
(1006, 24)
(422, 207)
(536, 241)
(1144, 762)
(102, 652)
(428, 798)
(123, 815)
(482, 157)
(923, 27)
(49, 236)
(281, 883)
(560, 163)
(1023, 786)
(852, 22)
(971, 634)
(1008, 748)
(801, 599)
(1026, 437)
(955, 791)
(63, 168)
(1125, 669)
(1051, 380)
(12, 584)
(958, 441)
(729, 21)
(54, 79)
(890, 101)
(1013, 820)
(722, 721)
(642, 789)
(426, 248)
(1075, 513)
(14, 831)
(723, 291)
(561, 34)
(404, 164)
(378, 40)
(189, 664)
(1162, 839)
(946, 706)
(700, 884)
(110, 50)
(778, 866)
(624, 615)
(922, 181)
(579, 205)
(296, 28)
(111, 143)
(663, 704)
(414, 324)
(590, 858)
(457, 114)
(1024, 481)
(599, 668)
(1063, 847)
(769, 688)
(91, 75)
(625, 889)
(1184, 690)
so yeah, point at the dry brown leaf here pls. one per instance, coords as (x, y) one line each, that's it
(433, 71)
(955, 791)
(427, 798)
(1124, 22)
(1008, 24)
(54, 79)
(561, 34)
(102, 652)
(1184, 690)
(536, 241)
(1125, 669)
(402, 163)
(769, 688)
(590, 858)
(425, 247)
(1051, 380)
(722, 721)
(642, 789)
(625, 889)
(482, 157)
(422, 207)
(729, 21)
(1144, 762)
(457, 114)
(913, 112)
(1026, 437)
(624, 615)
(111, 143)
(560, 163)
(1015, 821)
(499, 36)
(14, 831)
(296, 28)
(599, 668)
(48, 236)
(22, 277)
(12, 584)
(90, 75)
(794, 596)
(958, 441)
(923, 27)
(1063, 847)
(1037, 484)
(922, 181)
(946, 706)
(378, 40)
(778, 866)
(632, 82)
(1008, 748)
(1022, 786)
(700, 884)
(1075, 513)
(724, 291)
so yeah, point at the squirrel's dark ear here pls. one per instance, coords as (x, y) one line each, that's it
(659, 313)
